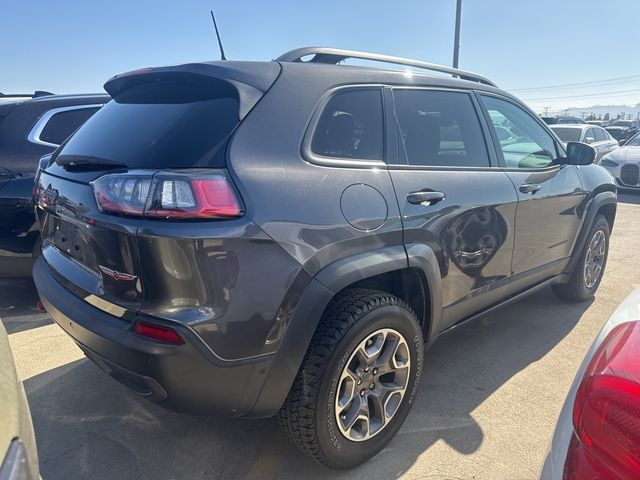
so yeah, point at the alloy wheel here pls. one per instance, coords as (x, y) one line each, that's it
(372, 384)
(595, 259)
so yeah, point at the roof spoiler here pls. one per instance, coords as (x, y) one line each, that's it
(251, 80)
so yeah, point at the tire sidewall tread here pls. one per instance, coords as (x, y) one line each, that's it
(308, 415)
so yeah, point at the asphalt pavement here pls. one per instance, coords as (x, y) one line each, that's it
(490, 395)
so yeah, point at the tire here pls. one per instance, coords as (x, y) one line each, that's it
(309, 415)
(579, 288)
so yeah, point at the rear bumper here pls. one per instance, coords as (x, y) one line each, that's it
(187, 378)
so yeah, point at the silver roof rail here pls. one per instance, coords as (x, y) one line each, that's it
(336, 55)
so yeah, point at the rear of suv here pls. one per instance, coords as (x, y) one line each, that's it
(260, 238)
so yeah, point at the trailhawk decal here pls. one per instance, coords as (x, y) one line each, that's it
(117, 275)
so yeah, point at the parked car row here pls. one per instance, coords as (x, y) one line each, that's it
(31, 126)
(623, 162)
(599, 123)
(592, 135)
(562, 119)
(623, 130)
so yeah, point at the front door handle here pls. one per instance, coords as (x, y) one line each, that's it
(530, 187)
(425, 198)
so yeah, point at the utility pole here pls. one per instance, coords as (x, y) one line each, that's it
(546, 111)
(456, 40)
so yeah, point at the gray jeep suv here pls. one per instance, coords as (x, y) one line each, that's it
(260, 238)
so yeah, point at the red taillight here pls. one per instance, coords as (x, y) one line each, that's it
(168, 195)
(606, 411)
(157, 332)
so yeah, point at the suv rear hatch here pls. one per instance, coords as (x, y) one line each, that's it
(156, 151)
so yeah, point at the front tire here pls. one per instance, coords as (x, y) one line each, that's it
(339, 411)
(587, 276)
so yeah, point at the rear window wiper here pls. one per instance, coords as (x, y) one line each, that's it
(82, 162)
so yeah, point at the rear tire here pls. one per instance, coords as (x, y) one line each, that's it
(342, 378)
(593, 259)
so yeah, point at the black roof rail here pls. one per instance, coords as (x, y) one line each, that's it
(336, 55)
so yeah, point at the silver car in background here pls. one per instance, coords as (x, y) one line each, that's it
(598, 432)
(624, 164)
(593, 135)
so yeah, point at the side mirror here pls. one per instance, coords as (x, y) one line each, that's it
(621, 142)
(580, 153)
(589, 140)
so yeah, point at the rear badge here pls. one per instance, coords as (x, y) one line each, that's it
(117, 275)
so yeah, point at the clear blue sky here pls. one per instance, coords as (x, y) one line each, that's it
(74, 46)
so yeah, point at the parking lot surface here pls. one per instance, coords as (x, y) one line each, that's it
(490, 395)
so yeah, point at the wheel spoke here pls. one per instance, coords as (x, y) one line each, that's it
(391, 403)
(383, 362)
(400, 358)
(351, 414)
(347, 388)
(377, 417)
(374, 345)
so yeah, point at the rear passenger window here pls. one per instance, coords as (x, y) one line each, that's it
(438, 129)
(589, 134)
(350, 126)
(599, 135)
(61, 125)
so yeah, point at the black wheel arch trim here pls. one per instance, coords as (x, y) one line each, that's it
(316, 297)
(592, 209)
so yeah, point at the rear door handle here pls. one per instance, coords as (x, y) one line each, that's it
(425, 198)
(530, 187)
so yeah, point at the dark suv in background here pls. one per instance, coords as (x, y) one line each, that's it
(623, 130)
(253, 238)
(31, 126)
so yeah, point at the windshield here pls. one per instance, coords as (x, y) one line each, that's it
(622, 123)
(568, 134)
(635, 141)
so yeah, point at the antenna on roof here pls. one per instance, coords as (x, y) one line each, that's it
(215, 25)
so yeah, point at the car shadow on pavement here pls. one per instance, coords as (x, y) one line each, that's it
(18, 310)
(88, 426)
(632, 198)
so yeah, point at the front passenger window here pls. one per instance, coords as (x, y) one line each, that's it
(523, 141)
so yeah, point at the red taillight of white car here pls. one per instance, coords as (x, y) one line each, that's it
(606, 412)
(168, 195)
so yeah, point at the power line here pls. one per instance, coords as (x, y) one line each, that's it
(567, 85)
(608, 94)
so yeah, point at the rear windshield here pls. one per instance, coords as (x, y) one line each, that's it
(170, 124)
(568, 134)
